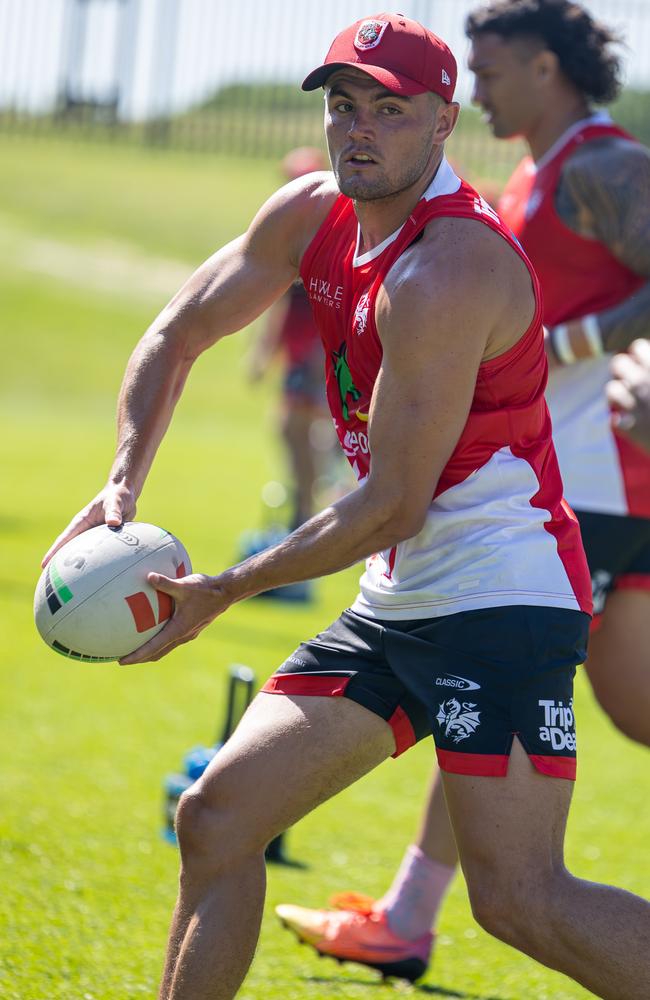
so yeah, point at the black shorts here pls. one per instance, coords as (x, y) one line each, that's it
(474, 680)
(305, 382)
(618, 553)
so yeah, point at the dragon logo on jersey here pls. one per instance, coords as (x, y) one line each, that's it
(344, 379)
(458, 720)
(360, 318)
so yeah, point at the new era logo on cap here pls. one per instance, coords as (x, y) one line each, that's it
(398, 52)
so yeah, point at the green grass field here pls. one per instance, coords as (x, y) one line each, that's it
(92, 240)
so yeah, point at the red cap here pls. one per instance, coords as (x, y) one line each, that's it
(399, 53)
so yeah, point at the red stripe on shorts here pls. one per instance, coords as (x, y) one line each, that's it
(555, 767)
(308, 684)
(481, 765)
(632, 581)
(403, 731)
(332, 687)
(596, 622)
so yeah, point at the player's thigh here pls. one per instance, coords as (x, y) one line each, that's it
(289, 754)
(509, 831)
(618, 663)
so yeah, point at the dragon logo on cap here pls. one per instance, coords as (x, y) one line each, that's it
(369, 34)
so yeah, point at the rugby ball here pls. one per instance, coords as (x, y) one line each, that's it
(93, 601)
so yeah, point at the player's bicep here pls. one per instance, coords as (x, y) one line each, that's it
(231, 289)
(242, 279)
(422, 397)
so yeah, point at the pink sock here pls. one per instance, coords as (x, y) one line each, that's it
(413, 900)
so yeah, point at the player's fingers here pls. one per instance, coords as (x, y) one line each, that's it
(640, 350)
(113, 516)
(635, 375)
(164, 583)
(76, 527)
(118, 507)
(624, 367)
(172, 635)
(619, 396)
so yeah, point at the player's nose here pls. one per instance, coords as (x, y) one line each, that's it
(360, 126)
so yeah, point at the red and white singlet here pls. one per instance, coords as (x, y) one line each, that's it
(497, 531)
(603, 472)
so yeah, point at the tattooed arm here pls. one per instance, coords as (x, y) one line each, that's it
(604, 194)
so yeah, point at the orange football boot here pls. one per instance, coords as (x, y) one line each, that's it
(357, 931)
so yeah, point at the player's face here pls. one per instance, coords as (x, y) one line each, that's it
(381, 144)
(506, 84)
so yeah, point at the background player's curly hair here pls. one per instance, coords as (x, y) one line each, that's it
(582, 44)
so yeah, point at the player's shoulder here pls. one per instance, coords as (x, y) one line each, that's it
(458, 254)
(294, 213)
(606, 159)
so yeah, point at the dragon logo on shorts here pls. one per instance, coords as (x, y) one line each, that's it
(458, 720)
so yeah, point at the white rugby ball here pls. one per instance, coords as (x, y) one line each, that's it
(93, 601)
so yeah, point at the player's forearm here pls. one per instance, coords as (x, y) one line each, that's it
(152, 384)
(606, 332)
(627, 321)
(345, 533)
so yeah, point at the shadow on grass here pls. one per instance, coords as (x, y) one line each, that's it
(413, 990)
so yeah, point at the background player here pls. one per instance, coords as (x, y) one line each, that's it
(580, 205)
(430, 378)
(290, 332)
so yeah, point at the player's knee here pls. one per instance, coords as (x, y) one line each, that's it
(212, 831)
(491, 906)
(510, 909)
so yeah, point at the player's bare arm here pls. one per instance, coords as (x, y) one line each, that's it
(228, 291)
(437, 316)
(604, 194)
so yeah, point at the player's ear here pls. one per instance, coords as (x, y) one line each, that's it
(547, 66)
(446, 118)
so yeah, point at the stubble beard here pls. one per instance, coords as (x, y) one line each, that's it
(382, 187)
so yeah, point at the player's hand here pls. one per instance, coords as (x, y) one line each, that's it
(116, 503)
(198, 600)
(628, 392)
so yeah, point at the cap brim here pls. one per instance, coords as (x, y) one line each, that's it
(395, 82)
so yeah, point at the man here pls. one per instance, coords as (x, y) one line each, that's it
(580, 205)
(431, 320)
